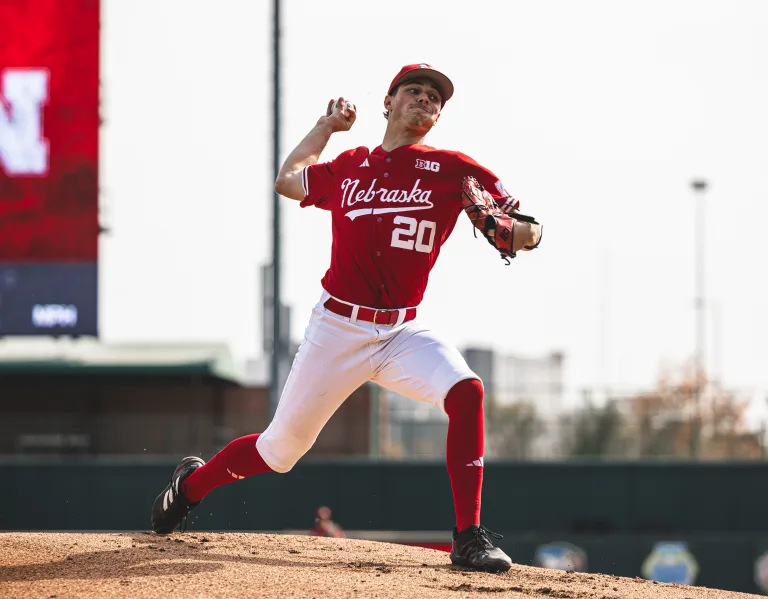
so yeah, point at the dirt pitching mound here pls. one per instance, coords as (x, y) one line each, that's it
(139, 565)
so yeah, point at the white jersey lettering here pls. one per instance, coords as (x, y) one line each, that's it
(351, 196)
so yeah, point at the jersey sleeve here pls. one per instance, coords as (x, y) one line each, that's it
(317, 181)
(490, 182)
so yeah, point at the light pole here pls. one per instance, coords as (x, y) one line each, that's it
(277, 349)
(699, 186)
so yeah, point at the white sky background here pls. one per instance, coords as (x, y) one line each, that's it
(596, 116)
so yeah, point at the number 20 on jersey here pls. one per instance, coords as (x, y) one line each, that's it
(415, 235)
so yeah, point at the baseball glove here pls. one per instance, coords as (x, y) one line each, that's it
(508, 232)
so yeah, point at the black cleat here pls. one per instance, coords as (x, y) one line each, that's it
(472, 548)
(171, 507)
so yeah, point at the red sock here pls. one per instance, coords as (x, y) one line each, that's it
(464, 449)
(237, 460)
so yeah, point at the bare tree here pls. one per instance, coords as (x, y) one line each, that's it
(668, 422)
(726, 434)
(594, 431)
(512, 430)
(665, 422)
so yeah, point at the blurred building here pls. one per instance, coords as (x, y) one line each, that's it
(534, 380)
(411, 429)
(510, 379)
(81, 397)
(418, 430)
(514, 380)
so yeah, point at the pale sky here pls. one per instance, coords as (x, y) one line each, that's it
(595, 115)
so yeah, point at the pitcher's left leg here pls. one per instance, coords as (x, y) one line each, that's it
(417, 363)
(464, 449)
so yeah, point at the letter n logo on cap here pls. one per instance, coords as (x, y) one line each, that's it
(424, 65)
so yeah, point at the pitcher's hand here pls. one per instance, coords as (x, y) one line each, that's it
(341, 114)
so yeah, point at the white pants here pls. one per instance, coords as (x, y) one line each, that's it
(336, 357)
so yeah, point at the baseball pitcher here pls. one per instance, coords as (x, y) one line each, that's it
(391, 210)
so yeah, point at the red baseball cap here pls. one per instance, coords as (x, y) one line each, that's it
(416, 71)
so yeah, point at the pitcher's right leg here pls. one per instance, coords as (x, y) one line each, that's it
(331, 363)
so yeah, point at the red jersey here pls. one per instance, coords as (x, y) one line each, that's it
(391, 213)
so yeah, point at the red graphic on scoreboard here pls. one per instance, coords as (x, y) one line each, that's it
(49, 127)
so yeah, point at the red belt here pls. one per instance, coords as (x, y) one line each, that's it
(385, 317)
